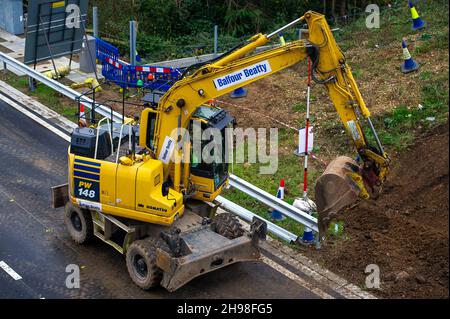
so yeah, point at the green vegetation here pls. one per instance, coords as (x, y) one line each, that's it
(397, 129)
(396, 24)
(290, 167)
(172, 28)
(436, 41)
(45, 95)
(299, 107)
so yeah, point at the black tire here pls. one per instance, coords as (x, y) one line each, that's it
(141, 262)
(79, 224)
(227, 226)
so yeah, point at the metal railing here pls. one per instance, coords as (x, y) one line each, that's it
(247, 215)
(59, 87)
(302, 217)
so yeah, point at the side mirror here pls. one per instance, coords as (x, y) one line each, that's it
(165, 188)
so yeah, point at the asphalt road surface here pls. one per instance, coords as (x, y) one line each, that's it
(35, 245)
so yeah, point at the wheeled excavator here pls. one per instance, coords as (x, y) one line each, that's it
(126, 186)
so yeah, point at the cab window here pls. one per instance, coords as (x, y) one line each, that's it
(151, 123)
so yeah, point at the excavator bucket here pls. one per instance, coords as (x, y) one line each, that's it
(336, 189)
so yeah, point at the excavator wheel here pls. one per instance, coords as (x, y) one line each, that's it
(227, 226)
(79, 223)
(141, 262)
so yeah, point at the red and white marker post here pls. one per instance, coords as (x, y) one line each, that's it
(308, 236)
(82, 117)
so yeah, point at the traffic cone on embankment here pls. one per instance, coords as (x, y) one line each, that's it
(305, 204)
(82, 117)
(418, 23)
(409, 65)
(276, 215)
(308, 236)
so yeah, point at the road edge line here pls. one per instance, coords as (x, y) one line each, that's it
(8, 269)
(35, 118)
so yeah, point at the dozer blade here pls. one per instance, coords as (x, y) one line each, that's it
(336, 189)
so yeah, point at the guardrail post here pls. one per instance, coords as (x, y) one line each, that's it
(78, 113)
(59, 87)
(5, 69)
(31, 84)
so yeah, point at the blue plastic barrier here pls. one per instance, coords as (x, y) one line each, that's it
(126, 75)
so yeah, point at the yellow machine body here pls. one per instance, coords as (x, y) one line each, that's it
(131, 191)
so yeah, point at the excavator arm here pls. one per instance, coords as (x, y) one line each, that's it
(345, 179)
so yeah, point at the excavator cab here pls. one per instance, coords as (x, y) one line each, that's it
(209, 164)
(205, 165)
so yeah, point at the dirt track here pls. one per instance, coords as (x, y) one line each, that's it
(405, 232)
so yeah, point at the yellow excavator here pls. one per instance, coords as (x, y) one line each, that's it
(137, 186)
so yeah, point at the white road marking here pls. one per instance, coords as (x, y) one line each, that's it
(9, 271)
(16, 277)
(38, 108)
(35, 118)
(296, 278)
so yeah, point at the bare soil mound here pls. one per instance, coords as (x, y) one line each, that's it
(404, 232)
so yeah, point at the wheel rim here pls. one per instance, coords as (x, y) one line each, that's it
(140, 266)
(76, 221)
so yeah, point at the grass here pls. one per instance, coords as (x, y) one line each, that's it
(299, 107)
(45, 95)
(397, 129)
(395, 23)
(431, 42)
